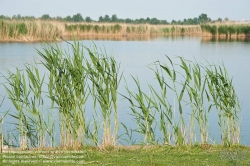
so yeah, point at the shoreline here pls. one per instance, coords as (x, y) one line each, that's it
(49, 31)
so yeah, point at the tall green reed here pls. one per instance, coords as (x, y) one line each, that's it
(143, 112)
(198, 100)
(226, 101)
(103, 72)
(178, 88)
(76, 74)
(197, 89)
(68, 90)
(2, 134)
(25, 93)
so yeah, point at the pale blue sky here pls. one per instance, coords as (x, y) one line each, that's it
(161, 9)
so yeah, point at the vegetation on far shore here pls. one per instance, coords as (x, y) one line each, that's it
(46, 28)
(30, 31)
(201, 19)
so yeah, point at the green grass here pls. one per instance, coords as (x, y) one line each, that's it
(157, 155)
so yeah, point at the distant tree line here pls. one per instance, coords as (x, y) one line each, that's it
(17, 17)
(203, 18)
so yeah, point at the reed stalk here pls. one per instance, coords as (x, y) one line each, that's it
(142, 108)
(226, 101)
(179, 127)
(103, 72)
(68, 89)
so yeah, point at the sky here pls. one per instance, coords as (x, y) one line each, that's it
(161, 9)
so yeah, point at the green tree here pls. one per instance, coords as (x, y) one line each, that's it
(45, 17)
(59, 18)
(19, 17)
(13, 17)
(88, 19)
(106, 18)
(195, 20)
(219, 19)
(101, 19)
(154, 21)
(114, 18)
(203, 18)
(174, 22)
(77, 17)
(68, 18)
(128, 20)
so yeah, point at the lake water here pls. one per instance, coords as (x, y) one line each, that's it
(134, 56)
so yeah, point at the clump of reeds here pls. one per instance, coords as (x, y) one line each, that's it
(91, 29)
(28, 31)
(25, 92)
(129, 30)
(226, 30)
(141, 106)
(226, 101)
(68, 89)
(80, 72)
(103, 72)
(204, 87)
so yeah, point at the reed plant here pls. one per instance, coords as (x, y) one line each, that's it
(203, 88)
(28, 31)
(103, 72)
(2, 134)
(208, 28)
(25, 93)
(226, 101)
(225, 30)
(198, 100)
(18, 95)
(68, 90)
(163, 106)
(145, 108)
(143, 113)
(179, 128)
(82, 75)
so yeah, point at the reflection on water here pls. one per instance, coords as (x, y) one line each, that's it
(110, 37)
(128, 38)
(225, 39)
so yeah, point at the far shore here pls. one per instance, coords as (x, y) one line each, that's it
(49, 31)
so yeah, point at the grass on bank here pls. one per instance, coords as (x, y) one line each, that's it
(137, 155)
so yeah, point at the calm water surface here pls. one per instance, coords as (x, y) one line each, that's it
(136, 55)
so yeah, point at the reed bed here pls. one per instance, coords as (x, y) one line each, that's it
(197, 89)
(129, 29)
(25, 93)
(29, 31)
(223, 30)
(39, 30)
(82, 75)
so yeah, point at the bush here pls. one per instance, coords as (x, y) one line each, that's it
(222, 30)
(22, 28)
